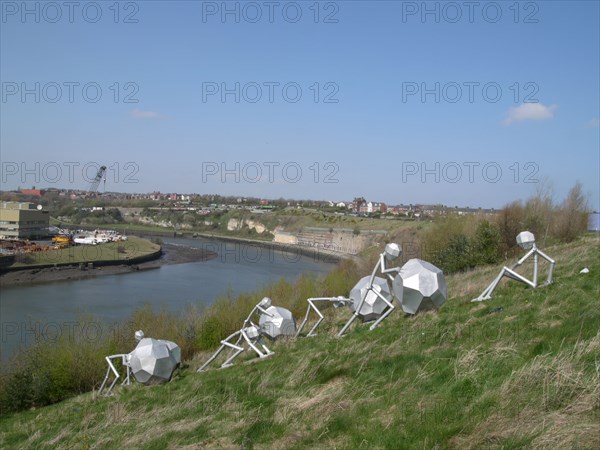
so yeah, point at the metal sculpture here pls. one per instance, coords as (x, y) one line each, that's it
(273, 322)
(153, 361)
(424, 286)
(525, 240)
(370, 299)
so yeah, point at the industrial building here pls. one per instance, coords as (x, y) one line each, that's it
(21, 220)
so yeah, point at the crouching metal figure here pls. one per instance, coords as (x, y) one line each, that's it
(370, 299)
(526, 241)
(153, 361)
(273, 322)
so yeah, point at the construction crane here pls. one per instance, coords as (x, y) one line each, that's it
(99, 176)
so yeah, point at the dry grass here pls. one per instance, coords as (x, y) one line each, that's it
(467, 376)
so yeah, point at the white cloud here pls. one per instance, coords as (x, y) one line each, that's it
(530, 111)
(594, 123)
(139, 114)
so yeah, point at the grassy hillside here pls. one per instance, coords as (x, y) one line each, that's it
(521, 370)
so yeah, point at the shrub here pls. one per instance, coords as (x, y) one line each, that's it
(572, 215)
(486, 244)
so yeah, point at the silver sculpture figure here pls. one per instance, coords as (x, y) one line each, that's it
(525, 240)
(273, 322)
(370, 299)
(424, 286)
(153, 361)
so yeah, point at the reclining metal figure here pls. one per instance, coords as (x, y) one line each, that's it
(273, 322)
(526, 241)
(370, 299)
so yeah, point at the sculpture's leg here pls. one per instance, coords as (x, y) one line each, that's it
(321, 317)
(128, 373)
(550, 269)
(345, 327)
(267, 351)
(211, 359)
(385, 314)
(487, 293)
(312, 306)
(515, 276)
(362, 302)
(535, 270)
(304, 321)
(224, 343)
(113, 369)
(127, 380)
(254, 347)
(105, 380)
(550, 272)
(229, 360)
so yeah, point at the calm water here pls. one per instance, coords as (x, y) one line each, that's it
(54, 308)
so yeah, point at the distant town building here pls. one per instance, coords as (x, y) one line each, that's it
(23, 220)
(33, 192)
(358, 203)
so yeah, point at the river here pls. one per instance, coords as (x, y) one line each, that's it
(55, 308)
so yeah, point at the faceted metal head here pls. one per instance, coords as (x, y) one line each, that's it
(153, 361)
(392, 251)
(424, 286)
(279, 323)
(374, 306)
(265, 303)
(139, 335)
(525, 240)
(252, 332)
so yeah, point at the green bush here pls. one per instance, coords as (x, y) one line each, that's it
(486, 244)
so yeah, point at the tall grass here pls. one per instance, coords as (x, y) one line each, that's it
(519, 371)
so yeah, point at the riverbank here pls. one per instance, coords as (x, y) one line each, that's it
(171, 254)
(316, 253)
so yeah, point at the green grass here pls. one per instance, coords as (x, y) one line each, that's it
(467, 376)
(133, 247)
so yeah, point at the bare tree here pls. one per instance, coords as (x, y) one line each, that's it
(572, 214)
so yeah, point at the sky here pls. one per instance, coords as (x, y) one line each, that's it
(455, 103)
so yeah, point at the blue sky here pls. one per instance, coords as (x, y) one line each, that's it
(532, 74)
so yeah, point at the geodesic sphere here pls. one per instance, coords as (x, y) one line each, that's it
(525, 240)
(398, 288)
(374, 306)
(424, 286)
(279, 323)
(153, 361)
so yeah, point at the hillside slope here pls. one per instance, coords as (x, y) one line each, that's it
(521, 370)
